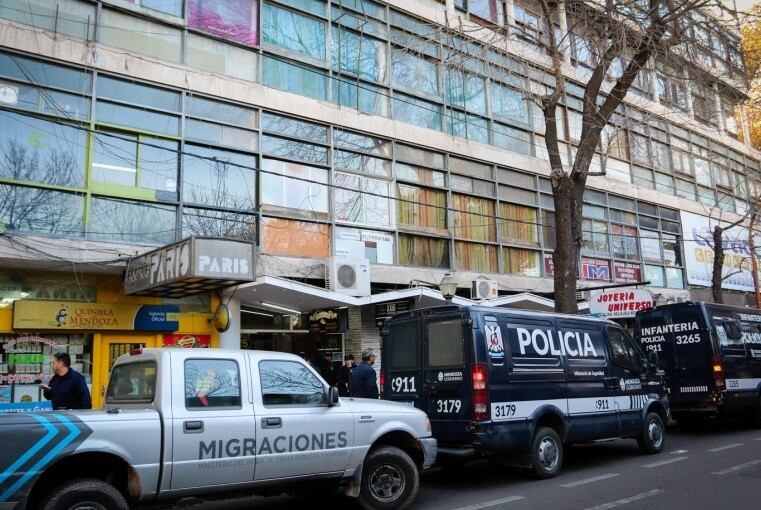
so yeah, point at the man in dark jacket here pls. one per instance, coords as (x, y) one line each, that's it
(67, 389)
(325, 367)
(343, 376)
(364, 381)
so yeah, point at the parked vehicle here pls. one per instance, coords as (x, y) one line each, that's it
(520, 385)
(711, 357)
(192, 422)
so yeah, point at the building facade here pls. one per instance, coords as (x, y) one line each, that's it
(347, 129)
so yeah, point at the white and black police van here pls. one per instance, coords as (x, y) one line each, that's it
(711, 357)
(519, 385)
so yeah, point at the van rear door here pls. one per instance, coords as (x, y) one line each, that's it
(447, 393)
(402, 375)
(693, 352)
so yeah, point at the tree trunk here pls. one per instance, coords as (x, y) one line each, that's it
(718, 265)
(568, 202)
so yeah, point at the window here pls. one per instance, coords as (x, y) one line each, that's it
(445, 344)
(295, 238)
(361, 96)
(625, 355)
(68, 17)
(205, 222)
(473, 218)
(623, 241)
(35, 150)
(401, 346)
(131, 92)
(640, 146)
(211, 383)
(353, 243)
(535, 354)
(294, 186)
(158, 40)
(293, 31)
(197, 106)
(132, 383)
(466, 90)
(361, 163)
(361, 56)
(414, 73)
(489, 10)
(363, 205)
(522, 262)
(419, 175)
(235, 20)
(173, 7)
(672, 252)
(508, 103)
(423, 251)
(219, 178)
(296, 78)
(651, 246)
(137, 117)
(298, 129)
(518, 224)
(481, 258)
(27, 209)
(594, 236)
(131, 221)
(416, 111)
(674, 278)
(220, 57)
(512, 139)
(290, 383)
(654, 274)
(42, 73)
(421, 207)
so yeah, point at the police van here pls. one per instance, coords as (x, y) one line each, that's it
(711, 357)
(520, 385)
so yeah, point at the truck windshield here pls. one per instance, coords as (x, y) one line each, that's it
(132, 382)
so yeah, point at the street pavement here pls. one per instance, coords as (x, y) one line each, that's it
(715, 466)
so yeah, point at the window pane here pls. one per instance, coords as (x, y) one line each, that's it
(131, 221)
(235, 20)
(140, 94)
(362, 205)
(476, 257)
(512, 139)
(423, 251)
(361, 96)
(445, 344)
(421, 207)
(361, 143)
(518, 224)
(361, 163)
(35, 150)
(219, 57)
(290, 383)
(402, 348)
(138, 118)
(299, 193)
(68, 17)
(25, 209)
(414, 73)
(290, 149)
(225, 112)
(466, 91)
(211, 383)
(624, 242)
(116, 29)
(295, 128)
(674, 278)
(353, 243)
(654, 274)
(205, 222)
(468, 126)
(293, 31)
(173, 7)
(508, 102)
(473, 218)
(218, 134)
(133, 382)
(488, 10)
(522, 262)
(419, 175)
(158, 166)
(42, 73)
(295, 78)
(114, 159)
(416, 111)
(219, 178)
(295, 238)
(361, 56)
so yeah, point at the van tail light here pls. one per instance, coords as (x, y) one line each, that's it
(718, 373)
(382, 383)
(480, 377)
(136, 352)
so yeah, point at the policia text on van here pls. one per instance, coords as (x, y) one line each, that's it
(498, 382)
(711, 357)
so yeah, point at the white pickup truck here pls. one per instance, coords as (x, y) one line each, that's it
(192, 422)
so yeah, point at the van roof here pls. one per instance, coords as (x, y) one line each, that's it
(509, 311)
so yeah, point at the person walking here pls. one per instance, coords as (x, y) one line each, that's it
(68, 388)
(325, 368)
(343, 378)
(364, 380)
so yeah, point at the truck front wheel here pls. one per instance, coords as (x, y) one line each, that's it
(389, 480)
(85, 494)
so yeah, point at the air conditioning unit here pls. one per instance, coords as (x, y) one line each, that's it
(484, 289)
(349, 276)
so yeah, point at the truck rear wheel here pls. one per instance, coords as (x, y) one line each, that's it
(85, 494)
(546, 453)
(389, 480)
(653, 434)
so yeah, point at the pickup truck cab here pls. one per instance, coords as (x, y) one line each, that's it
(184, 422)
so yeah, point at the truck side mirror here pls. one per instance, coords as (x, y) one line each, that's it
(332, 396)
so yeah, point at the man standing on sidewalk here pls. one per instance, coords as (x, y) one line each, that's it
(364, 380)
(67, 389)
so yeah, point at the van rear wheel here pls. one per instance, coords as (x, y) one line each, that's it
(653, 434)
(546, 453)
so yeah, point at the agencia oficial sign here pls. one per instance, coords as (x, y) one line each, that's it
(699, 253)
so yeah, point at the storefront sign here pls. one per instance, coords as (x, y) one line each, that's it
(385, 310)
(615, 304)
(191, 266)
(549, 265)
(698, 253)
(187, 341)
(628, 273)
(377, 247)
(69, 315)
(595, 269)
(329, 321)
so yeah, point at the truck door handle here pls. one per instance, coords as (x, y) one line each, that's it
(272, 422)
(192, 427)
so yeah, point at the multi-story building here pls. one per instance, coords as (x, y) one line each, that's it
(352, 129)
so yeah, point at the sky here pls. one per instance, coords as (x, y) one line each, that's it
(744, 4)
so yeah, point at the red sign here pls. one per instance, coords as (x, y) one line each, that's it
(628, 273)
(187, 341)
(595, 269)
(549, 265)
(624, 303)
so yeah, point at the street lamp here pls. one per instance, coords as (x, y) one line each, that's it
(448, 287)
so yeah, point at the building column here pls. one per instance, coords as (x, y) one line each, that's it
(230, 339)
(719, 110)
(744, 126)
(564, 47)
